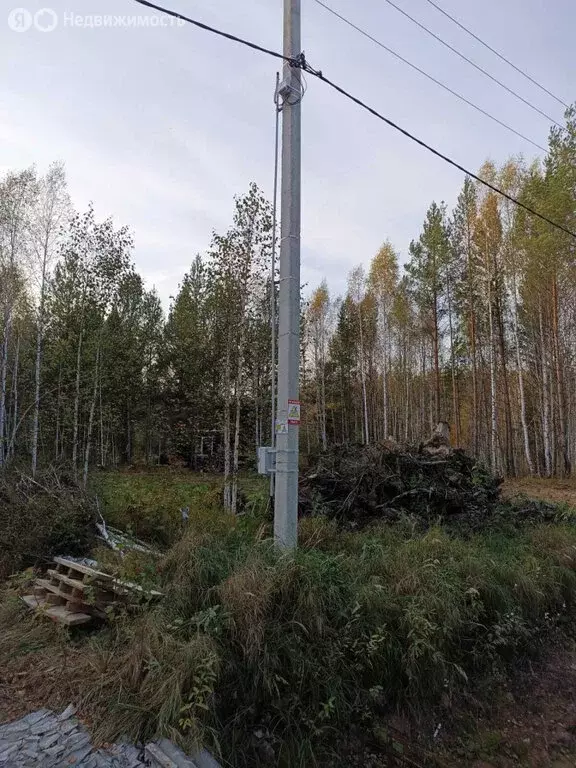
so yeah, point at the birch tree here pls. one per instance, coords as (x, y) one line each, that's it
(52, 206)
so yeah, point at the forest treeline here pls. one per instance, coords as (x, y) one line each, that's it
(477, 328)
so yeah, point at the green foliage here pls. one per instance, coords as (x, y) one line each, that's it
(149, 504)
(348, 627)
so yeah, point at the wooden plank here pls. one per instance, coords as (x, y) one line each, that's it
(65, 616)
(33, 601)
(82, 569)
(57, 613)
(60, 577)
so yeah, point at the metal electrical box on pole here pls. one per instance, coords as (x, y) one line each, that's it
(288, 406)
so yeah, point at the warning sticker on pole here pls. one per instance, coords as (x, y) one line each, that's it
(294, 412)
(281, 427)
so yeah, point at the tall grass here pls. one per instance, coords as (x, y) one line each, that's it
(252, 647)
(148, 504)
(267, 657)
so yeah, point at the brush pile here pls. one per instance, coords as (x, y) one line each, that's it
(40, 518)
(357, 485)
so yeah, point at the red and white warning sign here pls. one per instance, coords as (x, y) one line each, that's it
(294, 412)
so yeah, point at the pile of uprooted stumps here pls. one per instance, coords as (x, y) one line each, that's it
(427, 484)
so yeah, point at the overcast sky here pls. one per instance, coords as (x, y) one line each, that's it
(161, 127)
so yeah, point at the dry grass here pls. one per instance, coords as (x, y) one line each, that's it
(551, 490)
(39, 665)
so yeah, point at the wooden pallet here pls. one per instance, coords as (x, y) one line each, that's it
(80, 593)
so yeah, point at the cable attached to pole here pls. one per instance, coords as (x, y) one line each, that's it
(301, 63)
(430, 77)
(439, 154)
(215, 31)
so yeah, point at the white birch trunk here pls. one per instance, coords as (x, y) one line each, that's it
(546, 437)
(523, 420)
(3, 378)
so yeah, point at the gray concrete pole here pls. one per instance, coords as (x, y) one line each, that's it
(286, 492)
(273, 282)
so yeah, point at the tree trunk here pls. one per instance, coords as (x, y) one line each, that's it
(385, 375)
(3, 378)
(436, 332)
(12, 445)
(366, 430)
(57, 428)
(102, 453)
(545, 400)
(227, 425)
(75, 426)
(566, 465)
(91, 418)
(455, 394)
(323, 395)
(493, 405)
(525, 433)
(510, 463)
(236, 455)
(38, 366)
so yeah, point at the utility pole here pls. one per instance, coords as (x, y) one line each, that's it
(277, 111)
(287, 434)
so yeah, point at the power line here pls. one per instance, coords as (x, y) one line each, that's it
(219, 32)
(500, 56)
(473, 63)
(430, 77)
(303, 64)
(439, 154)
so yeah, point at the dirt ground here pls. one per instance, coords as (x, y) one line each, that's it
(533, 724)
(553, 490)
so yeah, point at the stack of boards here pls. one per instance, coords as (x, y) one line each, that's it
(72, 593)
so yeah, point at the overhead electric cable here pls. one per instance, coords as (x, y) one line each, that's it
(303, 64)
(473, 63)
(429, 77)
(215, 31)
(500, 55)
(439, 154)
